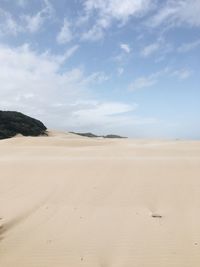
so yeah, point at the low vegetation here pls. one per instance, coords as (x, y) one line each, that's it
(13, 123)
(94, 135)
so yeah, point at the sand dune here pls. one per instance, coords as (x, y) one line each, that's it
(70, 201)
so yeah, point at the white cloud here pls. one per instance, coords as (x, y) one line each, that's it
(97, 78)
(160, 48)
(8, 25)
(33, 23)
(125, 47)
(98, 109)
(150, 49)
(182, 74)
(24, 23)
(70, 51)
(106, 11)
(109, 117)
(189, 46)
(120, 10)
(178, 12)
(148, 81)
(94, 34)
(36, 84)
(153, 79)
(65, 34)
(24, 72)
(142, 82)
(162, 16)
(62, 58)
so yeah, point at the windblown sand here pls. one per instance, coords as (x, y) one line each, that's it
(70, 201)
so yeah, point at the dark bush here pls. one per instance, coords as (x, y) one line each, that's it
(94, 135)
(12, 123)
(86, 134)
(113, 136)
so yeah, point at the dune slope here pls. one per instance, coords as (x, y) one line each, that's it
(70, 201)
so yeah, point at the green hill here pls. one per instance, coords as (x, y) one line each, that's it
(12, 123)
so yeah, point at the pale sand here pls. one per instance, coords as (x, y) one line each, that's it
(70, 201)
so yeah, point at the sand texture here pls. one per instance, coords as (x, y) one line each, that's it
(70, 201)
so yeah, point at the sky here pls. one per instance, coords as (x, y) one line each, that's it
(128, 67)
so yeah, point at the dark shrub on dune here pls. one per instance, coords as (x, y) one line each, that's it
(94, 135)
(12, 123)
(113, 136)
(86, 134)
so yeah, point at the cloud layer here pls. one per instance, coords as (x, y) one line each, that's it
(36, 84)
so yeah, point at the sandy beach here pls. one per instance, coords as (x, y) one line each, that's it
(70, 201)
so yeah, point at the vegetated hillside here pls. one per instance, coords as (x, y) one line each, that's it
(12, 123)
(94, 135)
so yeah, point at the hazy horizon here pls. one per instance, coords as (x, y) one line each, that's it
(104, 66)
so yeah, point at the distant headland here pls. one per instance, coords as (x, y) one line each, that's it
(13, 123)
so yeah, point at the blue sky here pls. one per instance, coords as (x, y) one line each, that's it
(130, 67)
